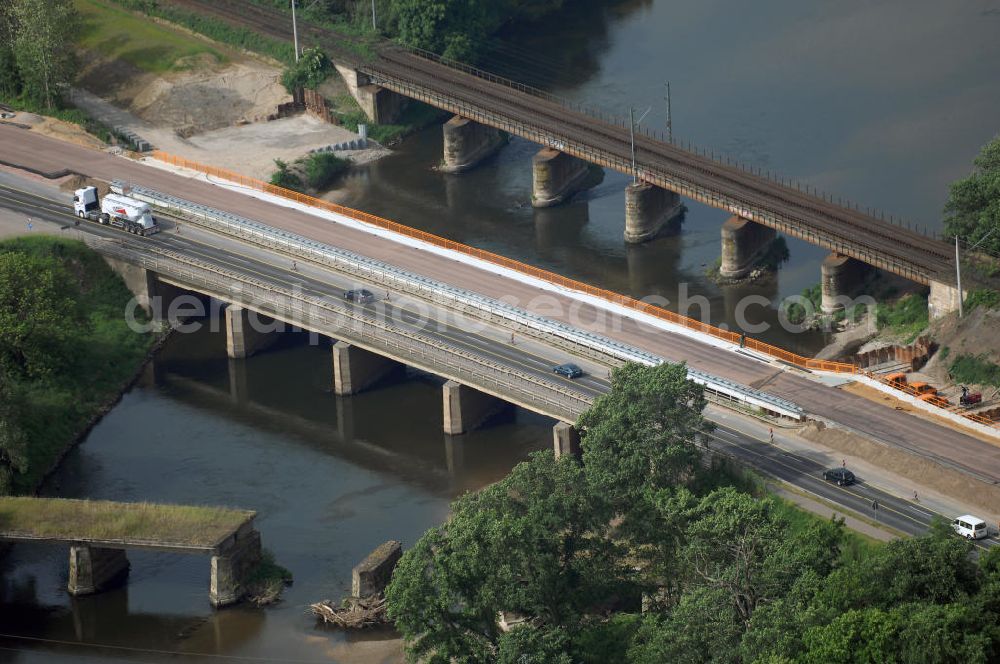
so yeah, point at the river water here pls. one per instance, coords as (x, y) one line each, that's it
(882, 102)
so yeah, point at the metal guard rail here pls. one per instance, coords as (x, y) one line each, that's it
(316, 314)
(376, 271)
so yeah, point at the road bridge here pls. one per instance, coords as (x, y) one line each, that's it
(544, 294)
(576, 132)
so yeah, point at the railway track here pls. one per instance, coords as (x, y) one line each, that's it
(819, 219)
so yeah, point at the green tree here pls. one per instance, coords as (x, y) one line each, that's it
(642, 436)
(10, 79)
(973, 207)
(312, 68)
(535, 544)
(42, 47)
(39, 315)
(13, 441)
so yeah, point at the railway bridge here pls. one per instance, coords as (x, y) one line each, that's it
(572, 136)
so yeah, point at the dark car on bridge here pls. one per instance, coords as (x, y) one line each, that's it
(841, 476)
(361, 295)
(568, 370)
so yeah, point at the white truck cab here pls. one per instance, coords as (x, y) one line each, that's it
(85, 203)
(114, 210)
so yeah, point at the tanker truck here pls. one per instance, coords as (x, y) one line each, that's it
(114, 210)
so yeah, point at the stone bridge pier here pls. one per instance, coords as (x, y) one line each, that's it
(841, 278)
(744, 243)
(467, 143)
(565, 440)
(231, 565)
(355, 369)
(943, 299)
(648, 209)
(93, 569)
(248, 332)
(556, 176)
(466, 408)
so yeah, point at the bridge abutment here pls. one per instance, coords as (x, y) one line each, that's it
(466, 408)
(467, 143)
(556, 176)
(380, 106)
(246, 332)
(648, 209)
(232, 564)
(743, 244)
(355, 369)
(139, 281)
(841, 279)
(92, 569)
(565, 440)
(943, 299)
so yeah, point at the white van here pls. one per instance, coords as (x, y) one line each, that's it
(970, 527)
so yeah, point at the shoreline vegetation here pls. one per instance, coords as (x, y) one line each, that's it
(66, 353)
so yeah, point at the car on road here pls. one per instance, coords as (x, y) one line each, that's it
(970, 527)
(569, 370)
(360, 295)
(841, 476)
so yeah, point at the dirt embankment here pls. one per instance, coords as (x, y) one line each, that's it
(925, 472)
(199, 95)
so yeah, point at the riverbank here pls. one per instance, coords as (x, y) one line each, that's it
(68, 354)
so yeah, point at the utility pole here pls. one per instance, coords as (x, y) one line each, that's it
(295, 32)
(632, 125)
(631, 119)
(670, 122)
(374, 28)
(958, 276)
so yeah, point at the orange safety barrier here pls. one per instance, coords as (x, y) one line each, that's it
(551, 277)
(496, 259)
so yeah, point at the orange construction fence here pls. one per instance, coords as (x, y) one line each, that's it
(551, 277)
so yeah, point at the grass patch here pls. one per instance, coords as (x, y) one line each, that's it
(907, 317)
(266, 581)
(975, 370)
(66, 113)
(121, 35)
(215, 29)
(322, 168)
(63, 518)
(986, 298)
(56, 407)
(310, 174)
(854, 545)
(414, 117)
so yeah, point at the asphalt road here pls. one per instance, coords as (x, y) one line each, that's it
(927, 438)
(795, 470)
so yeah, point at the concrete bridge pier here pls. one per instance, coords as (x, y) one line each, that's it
(92, 569)
(238, 386)
(232, 564)
(467, 143)
(648, 209)
(943, 299)
(466, 408)
(247, 332)
(556, 176)
(381, 106)
(841, 279)
(744, 243)
(566, 440)
(355, 369)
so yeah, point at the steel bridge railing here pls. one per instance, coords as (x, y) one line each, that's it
(356, 326)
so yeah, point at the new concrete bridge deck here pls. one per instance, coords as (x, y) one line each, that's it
(532, 114)
(921, 436)
(99, 533)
